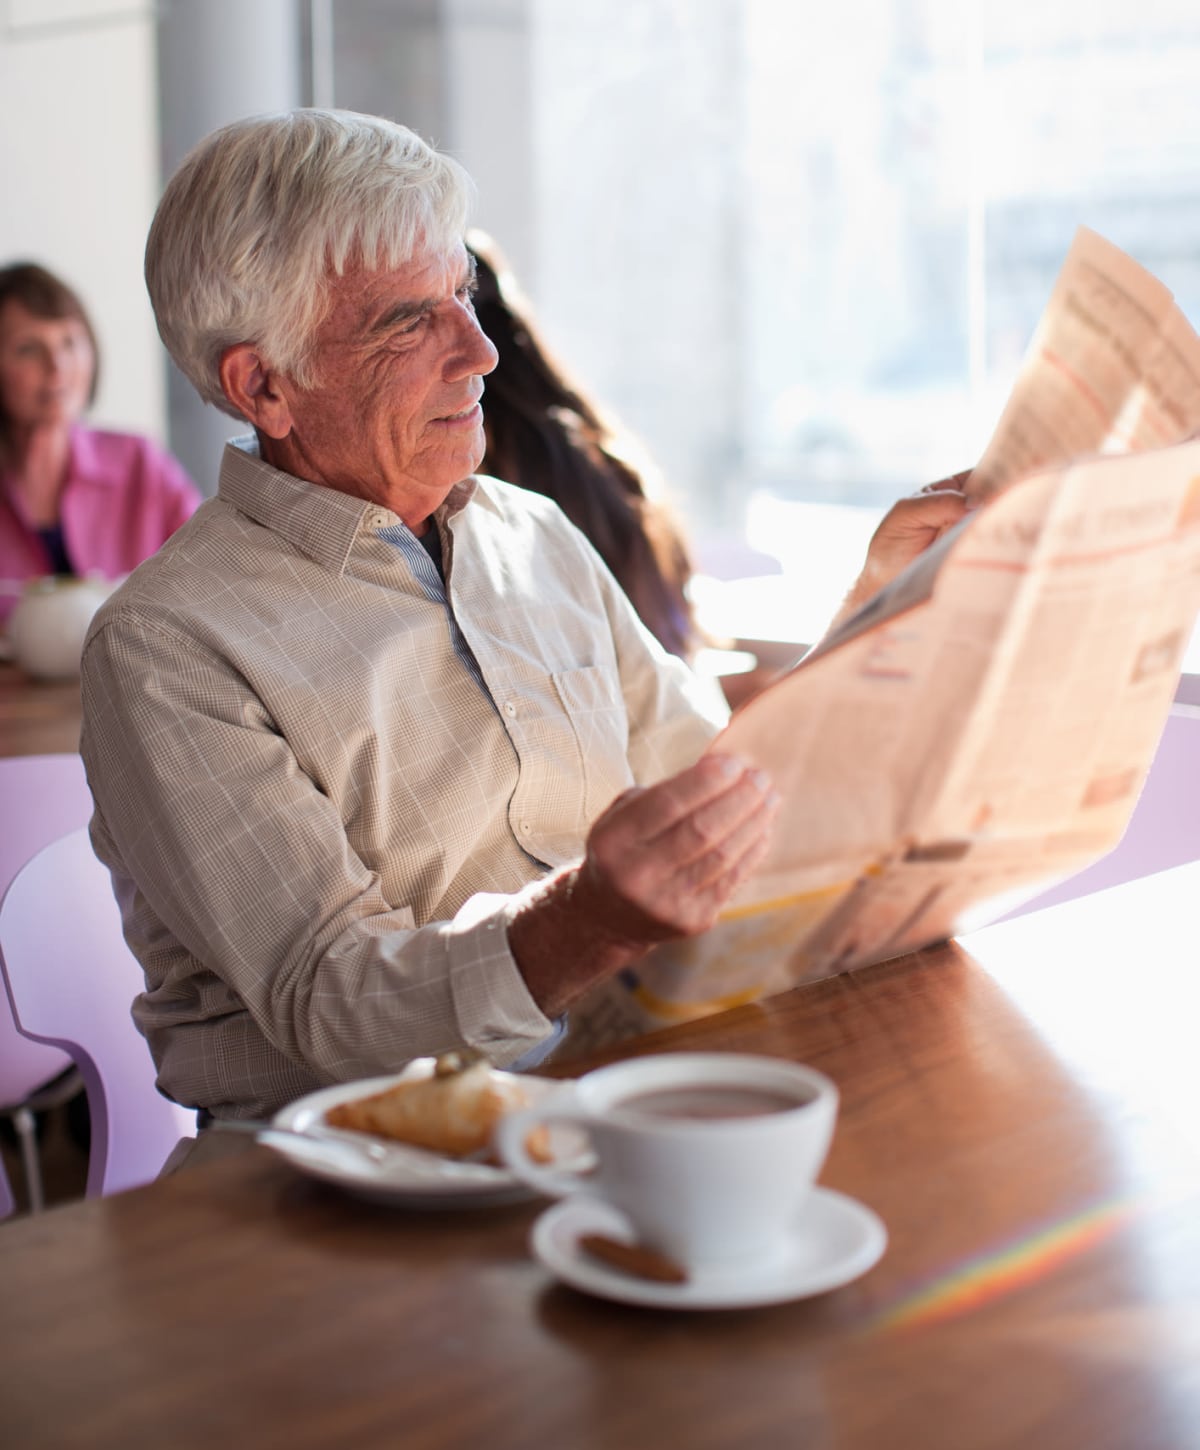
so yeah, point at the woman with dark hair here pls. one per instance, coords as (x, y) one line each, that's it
(73, 500)
(545, 435)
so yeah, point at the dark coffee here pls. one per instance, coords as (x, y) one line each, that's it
(709, 1102)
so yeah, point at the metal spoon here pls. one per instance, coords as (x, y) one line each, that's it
(346, 1149)
(353, 1152)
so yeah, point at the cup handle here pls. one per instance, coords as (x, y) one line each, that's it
(511, 1133)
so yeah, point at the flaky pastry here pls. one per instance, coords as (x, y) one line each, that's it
(453, 1111)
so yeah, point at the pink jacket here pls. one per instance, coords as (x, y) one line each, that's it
(124, 496)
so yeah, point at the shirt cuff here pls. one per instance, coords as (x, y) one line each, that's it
(494, 1010)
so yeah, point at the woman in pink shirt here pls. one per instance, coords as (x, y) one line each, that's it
(73, 500)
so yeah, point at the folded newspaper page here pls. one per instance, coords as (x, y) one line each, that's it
(982, 728)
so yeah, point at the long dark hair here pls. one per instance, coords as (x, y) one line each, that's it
(543, 434)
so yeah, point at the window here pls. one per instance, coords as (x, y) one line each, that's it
(799, 249)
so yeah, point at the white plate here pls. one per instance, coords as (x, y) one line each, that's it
(411, 1177)
(837, 1240)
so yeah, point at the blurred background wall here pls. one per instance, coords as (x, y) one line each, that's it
(99, 101)
(79, 176)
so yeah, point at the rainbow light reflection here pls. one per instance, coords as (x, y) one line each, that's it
(989, 1276)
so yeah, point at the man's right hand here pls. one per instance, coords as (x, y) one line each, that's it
(660, 863)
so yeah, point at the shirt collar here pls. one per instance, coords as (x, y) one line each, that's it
(321, 522)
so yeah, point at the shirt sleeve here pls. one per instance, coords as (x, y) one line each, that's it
(244, 863)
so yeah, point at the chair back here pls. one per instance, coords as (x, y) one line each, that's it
(71, 980)
(42, 797)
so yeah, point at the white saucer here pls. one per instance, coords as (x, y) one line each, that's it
(837, 1240)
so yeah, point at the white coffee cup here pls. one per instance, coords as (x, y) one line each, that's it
(710, 1155)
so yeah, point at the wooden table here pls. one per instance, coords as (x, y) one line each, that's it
(37, 717)
(1021, 1109)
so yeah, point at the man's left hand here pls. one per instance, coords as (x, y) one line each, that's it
(906, 530)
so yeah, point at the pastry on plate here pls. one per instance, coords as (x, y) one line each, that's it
(452, 1111)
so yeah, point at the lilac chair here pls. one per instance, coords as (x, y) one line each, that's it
(42, 797)
(71, 980)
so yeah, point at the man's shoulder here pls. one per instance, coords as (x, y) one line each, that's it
(185, 567)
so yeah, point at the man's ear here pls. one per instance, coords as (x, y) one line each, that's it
(253, 390)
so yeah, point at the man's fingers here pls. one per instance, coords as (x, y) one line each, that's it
(726, 854)
(645, 814)
(908, 528)
(957, 482)
(717, 826)
(926, 510)
(707, 884)
(666, 857)
(722, 887)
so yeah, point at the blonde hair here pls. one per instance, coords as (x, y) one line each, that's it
(261, 212)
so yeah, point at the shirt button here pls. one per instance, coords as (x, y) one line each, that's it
(510, 709)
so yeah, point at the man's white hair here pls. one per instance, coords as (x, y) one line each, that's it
(260, 214)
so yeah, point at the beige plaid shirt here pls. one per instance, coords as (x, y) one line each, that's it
(320, 786)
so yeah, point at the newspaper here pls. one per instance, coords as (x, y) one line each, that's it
(981, 728)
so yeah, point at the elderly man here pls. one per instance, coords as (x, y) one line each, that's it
(384, 763)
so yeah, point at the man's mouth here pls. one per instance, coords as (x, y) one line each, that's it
(467, 414)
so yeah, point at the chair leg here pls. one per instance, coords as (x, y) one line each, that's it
(26, 1126)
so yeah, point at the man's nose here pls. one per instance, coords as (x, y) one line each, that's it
(475, 353)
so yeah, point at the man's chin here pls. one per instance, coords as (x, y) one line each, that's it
(477, 453)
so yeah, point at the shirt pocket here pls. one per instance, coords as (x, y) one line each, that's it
(591, 697)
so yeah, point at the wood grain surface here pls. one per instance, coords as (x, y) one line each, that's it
(37, 717)
(1019, 1109)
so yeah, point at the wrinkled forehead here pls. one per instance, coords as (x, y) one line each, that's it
(365, 295)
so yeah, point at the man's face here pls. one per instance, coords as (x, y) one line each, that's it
(394, 416)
